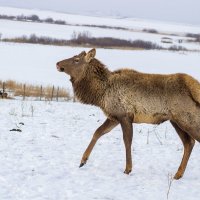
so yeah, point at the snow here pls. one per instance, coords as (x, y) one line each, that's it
(37, 63)
(42, 161)
(11, 29)
(178, 10)
(122, 22)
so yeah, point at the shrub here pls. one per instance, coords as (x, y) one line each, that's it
(34, 90)
(61, 22)
(7, 17)
(177, 48)
(21, 18)
(49, 20)
(150, 30)
(85, 39)
(192, 35)
(33, 18)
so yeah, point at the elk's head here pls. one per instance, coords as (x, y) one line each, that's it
(75, 65)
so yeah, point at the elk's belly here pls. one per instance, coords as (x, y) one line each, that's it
(150, 119)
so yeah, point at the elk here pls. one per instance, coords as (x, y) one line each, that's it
(127, 96)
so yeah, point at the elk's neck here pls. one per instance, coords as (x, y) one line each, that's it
(92, 86)
(90, 91)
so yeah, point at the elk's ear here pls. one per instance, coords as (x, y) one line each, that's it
(90, 55)
(83, 53)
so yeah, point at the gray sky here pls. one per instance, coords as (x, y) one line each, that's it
(182, 11)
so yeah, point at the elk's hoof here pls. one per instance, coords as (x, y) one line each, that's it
(81, 165)
(127, 171)
(178, 175)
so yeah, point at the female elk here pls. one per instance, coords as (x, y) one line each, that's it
(127, 96)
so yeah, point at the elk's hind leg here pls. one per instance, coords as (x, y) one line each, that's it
(188, 143)
(127, 128)
(106, 127)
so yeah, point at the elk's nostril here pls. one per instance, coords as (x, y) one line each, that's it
(59, 68)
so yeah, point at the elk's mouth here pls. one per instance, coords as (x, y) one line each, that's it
(60, 69)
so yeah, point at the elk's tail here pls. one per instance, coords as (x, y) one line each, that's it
(194, 88)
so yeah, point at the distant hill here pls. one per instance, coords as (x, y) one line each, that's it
(181, 11)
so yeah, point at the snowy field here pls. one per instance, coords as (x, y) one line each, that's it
(11, 29)
(133, 23)
(36, 63)
(42, 161)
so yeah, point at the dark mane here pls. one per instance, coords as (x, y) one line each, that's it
(91, 88)
(97, 69)
(125, 70)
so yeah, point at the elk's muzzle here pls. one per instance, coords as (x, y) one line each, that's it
(60, 69)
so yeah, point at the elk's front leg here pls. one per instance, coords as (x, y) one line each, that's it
(106, 127)
(127, 128)
(188, 143)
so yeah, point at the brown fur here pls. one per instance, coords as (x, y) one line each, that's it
(127, 96)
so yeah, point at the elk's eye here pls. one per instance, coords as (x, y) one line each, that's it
(76, 60)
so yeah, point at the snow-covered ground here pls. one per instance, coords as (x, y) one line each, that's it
(36, 63)
(41, 162)
(10, 29)
(123, 22)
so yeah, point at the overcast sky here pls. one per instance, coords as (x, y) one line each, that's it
(183, 11)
